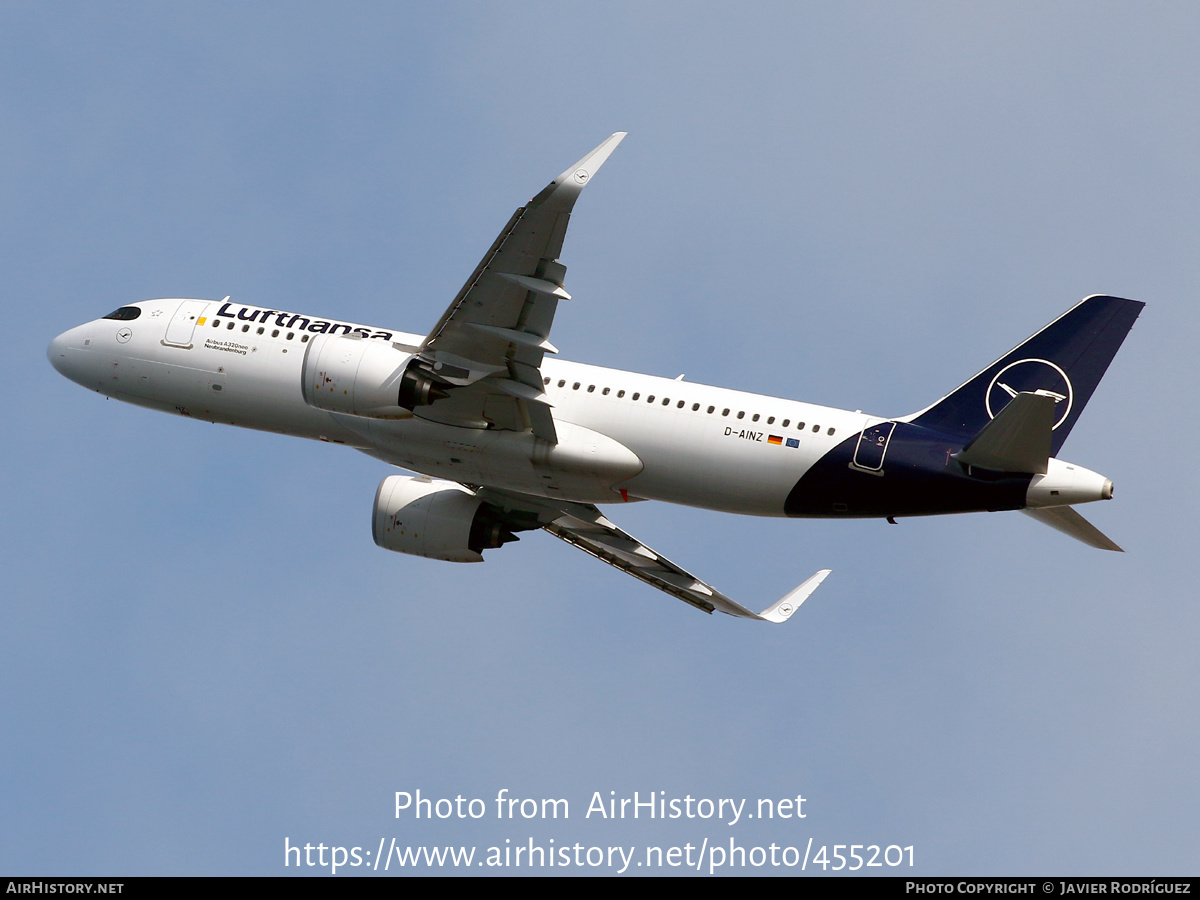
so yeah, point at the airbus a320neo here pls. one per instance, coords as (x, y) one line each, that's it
(505, 437)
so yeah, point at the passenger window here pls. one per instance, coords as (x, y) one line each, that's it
(261, 329)
(754, 418)
(650, 399)
(545, 381)
(770, 420)
(245, 328)
(275, 332)
(831, 432)
(591, 388)
(725, 412)
(562, 382)
(741, 414)
(605, 392)
(695, 407)
(290, 335)
(304, 339)
(711, 410)
(635, 395)
(785, 423)
(575, 386)
(816, 428)
(216, 324)
(620, 394)
(231, 324)
(666, 401)
(799, 426)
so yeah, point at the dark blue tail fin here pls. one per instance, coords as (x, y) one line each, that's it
(1066, 359)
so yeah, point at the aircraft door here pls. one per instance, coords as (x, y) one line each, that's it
(872, 446)
(183, 323)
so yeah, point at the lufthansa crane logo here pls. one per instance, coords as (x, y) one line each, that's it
(1037, 376)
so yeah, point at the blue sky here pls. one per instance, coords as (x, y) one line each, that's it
(203, 652)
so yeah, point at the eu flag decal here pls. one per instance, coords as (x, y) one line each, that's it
(792, 442)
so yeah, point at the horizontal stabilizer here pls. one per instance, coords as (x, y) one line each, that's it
(1066, 520)
(1018, 439)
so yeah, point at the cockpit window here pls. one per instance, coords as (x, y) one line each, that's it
(125, 313)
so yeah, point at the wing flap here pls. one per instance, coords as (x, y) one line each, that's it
(667, 578)
(582, 525)
(606, 542)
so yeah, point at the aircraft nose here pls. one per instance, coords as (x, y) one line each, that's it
(57, 351)
(68, 353)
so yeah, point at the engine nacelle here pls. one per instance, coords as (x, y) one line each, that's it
(437, 519)
(364, 377)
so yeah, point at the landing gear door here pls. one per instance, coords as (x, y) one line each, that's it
(183, 323)
(872, 447)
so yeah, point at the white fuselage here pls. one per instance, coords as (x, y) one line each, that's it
(694, 444)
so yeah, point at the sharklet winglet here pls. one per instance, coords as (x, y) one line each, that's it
(781, 610)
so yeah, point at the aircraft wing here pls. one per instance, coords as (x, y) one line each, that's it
(584, 526)
(487, 348)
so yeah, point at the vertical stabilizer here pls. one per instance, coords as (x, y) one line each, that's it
(1065, 360)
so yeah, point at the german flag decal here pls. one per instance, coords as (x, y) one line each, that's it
(774, 439)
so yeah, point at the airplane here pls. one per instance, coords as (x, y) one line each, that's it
(504, 438)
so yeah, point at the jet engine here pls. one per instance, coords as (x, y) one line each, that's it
(439, 519)
(365, 377)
